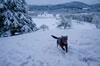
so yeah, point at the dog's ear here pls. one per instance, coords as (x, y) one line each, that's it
(62, 36)
(67, 37)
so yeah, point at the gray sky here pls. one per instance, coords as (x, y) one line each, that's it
(43, 2)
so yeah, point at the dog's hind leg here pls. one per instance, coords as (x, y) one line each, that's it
(57, 44)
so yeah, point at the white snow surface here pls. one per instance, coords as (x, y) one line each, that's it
(40, 49)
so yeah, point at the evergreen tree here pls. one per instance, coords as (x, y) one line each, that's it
(14, 18)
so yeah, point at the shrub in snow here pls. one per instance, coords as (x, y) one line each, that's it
(54, 15)
(14, 17)
(44, 27)
(65, 22)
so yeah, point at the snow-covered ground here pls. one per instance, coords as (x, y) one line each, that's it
(50, 22)
(39, 48)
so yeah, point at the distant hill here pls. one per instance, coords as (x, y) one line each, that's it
(95, 6)
(75, 6)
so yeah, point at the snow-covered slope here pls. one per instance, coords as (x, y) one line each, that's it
(39, 48)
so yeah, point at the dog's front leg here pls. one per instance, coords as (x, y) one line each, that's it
(62, 47)
(66, 46)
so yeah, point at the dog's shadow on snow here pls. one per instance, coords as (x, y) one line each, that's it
(70, 51)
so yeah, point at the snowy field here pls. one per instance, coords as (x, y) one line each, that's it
(40, 49)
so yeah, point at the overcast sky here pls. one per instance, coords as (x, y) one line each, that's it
(44, 2)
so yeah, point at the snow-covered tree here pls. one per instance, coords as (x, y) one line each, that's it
(65, 22)
(96, 21)
(14, 18)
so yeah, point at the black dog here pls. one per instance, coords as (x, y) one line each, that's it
(62, 42)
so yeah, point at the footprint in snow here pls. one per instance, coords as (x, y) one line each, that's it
(24, 63)
(38, 63)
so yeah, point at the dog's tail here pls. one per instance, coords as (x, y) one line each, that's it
(54, 37)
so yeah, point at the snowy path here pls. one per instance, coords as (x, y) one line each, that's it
(39, 48)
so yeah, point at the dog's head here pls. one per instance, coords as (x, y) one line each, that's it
(64, 39)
